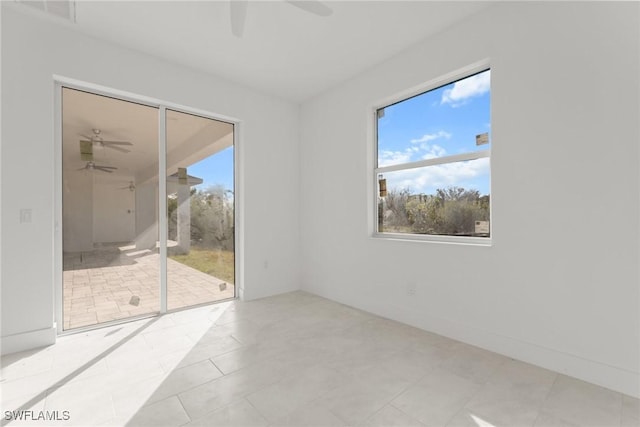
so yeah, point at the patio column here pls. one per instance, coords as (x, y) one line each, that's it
(184, 214)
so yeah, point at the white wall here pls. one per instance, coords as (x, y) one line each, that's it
(565, 133)
(96, 210)
(146, 215)
(559, 286)
(113, 209)
(77, 213)
(33, 51)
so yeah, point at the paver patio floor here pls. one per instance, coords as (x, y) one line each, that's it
(119, 282)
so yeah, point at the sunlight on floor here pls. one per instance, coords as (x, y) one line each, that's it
(480, 422)
(292, 359)
(86, 367)
(150, 388)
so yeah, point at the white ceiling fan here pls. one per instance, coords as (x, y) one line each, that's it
(130, 187)
(239, 11)
(97, 140)
(91, 166)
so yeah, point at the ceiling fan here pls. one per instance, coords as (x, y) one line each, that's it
(91, 166)
(130, 187)
(239, 11)
(98, 141)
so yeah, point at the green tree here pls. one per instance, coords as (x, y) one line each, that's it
(395, 210)
(212, 215)
(425, 214)
(451, 211)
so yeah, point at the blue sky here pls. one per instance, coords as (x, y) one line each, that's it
(441, 122)
(215, 169)
(438, 123)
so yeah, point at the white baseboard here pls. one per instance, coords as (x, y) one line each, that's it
(611, 377)
(28, 340)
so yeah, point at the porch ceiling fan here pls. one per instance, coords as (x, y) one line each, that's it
(97, 140)
(130, 187)
(91, 166)
(239, 12)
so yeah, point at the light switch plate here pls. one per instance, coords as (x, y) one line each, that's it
(25, 216)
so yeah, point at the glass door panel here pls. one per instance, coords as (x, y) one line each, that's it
(109, 208)
(200, 210)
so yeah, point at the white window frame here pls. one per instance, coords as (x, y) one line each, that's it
(475, 155)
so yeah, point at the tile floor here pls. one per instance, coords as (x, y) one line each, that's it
(99, 285)
(293, 360)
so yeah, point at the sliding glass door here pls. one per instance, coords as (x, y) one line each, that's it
(110, 216)
(113, 256)
(200, 210)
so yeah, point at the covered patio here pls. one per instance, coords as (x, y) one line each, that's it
(118, 282)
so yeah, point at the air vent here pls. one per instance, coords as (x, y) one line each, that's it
(65, 9)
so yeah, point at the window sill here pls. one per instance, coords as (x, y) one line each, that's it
(456, 240)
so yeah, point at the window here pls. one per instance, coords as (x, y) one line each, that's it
(433, 163)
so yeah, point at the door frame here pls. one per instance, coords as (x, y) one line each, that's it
(60, 82)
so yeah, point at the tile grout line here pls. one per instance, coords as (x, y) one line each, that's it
(183, 408)
(557, 375)
(268, 423)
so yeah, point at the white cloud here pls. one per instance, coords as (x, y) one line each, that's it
(414, 153)
(427, 180)
(431, 136)
(432, 151)
(410, 154)
(466, 89)
(387, 158)
(422, 150)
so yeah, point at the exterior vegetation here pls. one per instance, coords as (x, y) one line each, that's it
(452, 211)
(217, 263)
(212, 231)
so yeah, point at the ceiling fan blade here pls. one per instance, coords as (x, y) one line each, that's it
(113, 147)
(103, 169)
(313, 6)
(238, 16)
(117, 142)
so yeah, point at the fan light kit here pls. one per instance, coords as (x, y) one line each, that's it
(97, 140)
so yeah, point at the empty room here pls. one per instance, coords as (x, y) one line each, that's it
(320, 213)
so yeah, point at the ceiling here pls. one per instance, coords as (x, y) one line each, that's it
(284, 50)
(190, 138)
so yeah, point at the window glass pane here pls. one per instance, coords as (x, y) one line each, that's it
(448, 120)
(111, 267)
(200, 210)
(447, 199)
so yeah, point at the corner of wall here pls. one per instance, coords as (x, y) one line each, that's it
(28, 340)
